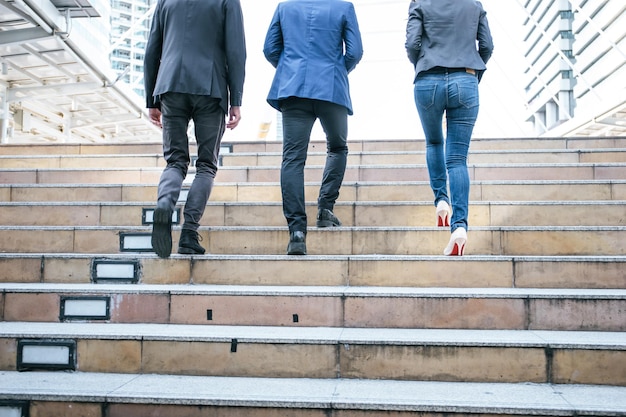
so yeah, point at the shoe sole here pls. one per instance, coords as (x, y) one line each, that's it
(162, 232)
(298, 248)
(189, 251)
(327, 223)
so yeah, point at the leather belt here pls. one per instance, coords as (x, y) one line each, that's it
(444, 70)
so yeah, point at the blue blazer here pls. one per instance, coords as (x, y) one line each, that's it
(444, 33)
(196, 47)
(313, 44)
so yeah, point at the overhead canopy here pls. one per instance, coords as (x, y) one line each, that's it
(55, 79)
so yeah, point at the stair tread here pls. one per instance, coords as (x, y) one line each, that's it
(318, 335)
(316, 291)
(148, 228)
(383, 395)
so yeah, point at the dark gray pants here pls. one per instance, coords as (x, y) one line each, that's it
(209, 123)
(299, 116)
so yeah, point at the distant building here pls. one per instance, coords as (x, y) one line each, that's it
(576, 54)
(130, 26)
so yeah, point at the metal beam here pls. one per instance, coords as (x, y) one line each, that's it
(19, 36)
(38, 92)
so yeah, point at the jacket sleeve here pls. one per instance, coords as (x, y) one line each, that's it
(414, 31)
(152, 58)
(235, 50)
(352, 39)
(273, 46)
(485, 42)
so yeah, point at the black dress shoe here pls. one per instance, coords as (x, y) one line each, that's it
(326, 218)
(188, 243)
(162, 231)
(297, 243)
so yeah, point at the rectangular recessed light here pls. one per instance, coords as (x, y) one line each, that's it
(136, 242)
(114, 270)
(147, 217)
(13, 409)
(85, 308)
(46, 354)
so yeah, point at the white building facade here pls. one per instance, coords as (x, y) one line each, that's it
(576, 55)
(130, 26)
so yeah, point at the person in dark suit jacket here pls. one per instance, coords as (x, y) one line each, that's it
(449, 42)
(313, 44)
(194, 70)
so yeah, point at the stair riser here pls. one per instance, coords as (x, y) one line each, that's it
(599, 190)
(397, 362)
(82, 162)
(112, 409)
(312, 311)
(379, 215)
(341, 242)
(389, 173)
(275, 159)
(460, 273)
(320, 146)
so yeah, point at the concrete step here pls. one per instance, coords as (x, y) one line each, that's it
(545, 156)
(355, 145)
(314, 306)
(522, 272)
(351, 191)
(512, 241)
(392, 214)
(74, 394)
(248, 159)
(82, 161)
(281, 352)
(399, 173)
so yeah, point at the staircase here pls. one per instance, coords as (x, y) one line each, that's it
(373, 322)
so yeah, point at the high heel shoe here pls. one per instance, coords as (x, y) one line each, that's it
(443, 214)
(456, 246)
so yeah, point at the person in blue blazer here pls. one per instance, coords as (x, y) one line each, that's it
(313, 44)
(448, 42)
(194, 69)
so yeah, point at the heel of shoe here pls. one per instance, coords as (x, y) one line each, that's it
(456, 246)
(443, 214)
(325, 223)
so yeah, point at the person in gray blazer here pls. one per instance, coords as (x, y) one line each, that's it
(313, 44)
(194, 69)
(448, 42)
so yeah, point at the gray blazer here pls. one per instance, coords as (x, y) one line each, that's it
(443, 33)
(196, 47)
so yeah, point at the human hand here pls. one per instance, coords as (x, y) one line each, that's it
(155, 117)
(234, 116)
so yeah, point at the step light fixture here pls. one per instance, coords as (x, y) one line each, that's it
(85, 308)
(111, 270)
(147, 217)
(13, 409)
(44, 354)
(136, 242)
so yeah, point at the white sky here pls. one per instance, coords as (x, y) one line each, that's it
(381, 85)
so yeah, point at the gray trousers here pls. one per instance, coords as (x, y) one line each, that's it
(299, 115)
(209, 123)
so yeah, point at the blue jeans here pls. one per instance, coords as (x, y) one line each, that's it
(454, 94)
(299, 115)
(209, 123)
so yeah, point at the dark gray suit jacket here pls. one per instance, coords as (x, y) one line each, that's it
(196, 47)
(443, 33)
